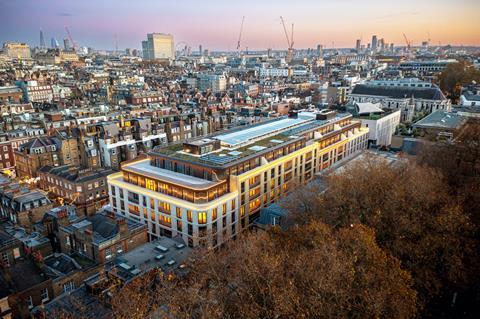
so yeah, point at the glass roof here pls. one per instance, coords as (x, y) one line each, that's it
(247, 135)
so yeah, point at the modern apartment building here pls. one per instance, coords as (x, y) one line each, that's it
(381, 123)
(208, 190)
(158, 46)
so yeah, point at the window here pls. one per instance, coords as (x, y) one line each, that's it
(44, 295)
(164, 207)
(202, 218)
(30, 302)
(108, 254)
(189, 215)
(16, 253)
(5, 259)
(214, 214)
(150, 184)
(275, 220)
(68, 287)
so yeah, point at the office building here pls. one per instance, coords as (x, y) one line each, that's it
(17, 50)
(66, 44)
(208, 190)
(42, 40)
(358, 45)
(374, 43)
(54, 43)
(319, 50)
(158, 46)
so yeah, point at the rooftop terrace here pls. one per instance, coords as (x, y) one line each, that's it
(241, 144)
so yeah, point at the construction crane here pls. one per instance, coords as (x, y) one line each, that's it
(289, 41)
(240, 35)
(71, 39)
(409, 43)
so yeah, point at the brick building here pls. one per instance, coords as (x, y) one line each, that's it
(101, 237)
(86, 189)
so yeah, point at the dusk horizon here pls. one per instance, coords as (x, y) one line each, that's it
(215, 24)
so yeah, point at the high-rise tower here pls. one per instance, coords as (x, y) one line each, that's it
(374, 43)
(42, 40)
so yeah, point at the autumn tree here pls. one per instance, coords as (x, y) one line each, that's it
(459, 163)
(456, 75)
(311, 271)
(411, 211)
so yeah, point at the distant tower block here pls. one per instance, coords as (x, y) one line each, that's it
(42, 40)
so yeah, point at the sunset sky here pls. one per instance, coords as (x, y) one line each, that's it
(215, 23)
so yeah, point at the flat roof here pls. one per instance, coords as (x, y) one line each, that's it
(250, 134)
(146, 169)
(254, 140)
(146, 256)
(441, 119)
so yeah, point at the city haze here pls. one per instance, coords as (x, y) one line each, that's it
(215, 24)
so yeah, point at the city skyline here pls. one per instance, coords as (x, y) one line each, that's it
(215, 25)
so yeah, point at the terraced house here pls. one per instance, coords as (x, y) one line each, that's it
(208, 190)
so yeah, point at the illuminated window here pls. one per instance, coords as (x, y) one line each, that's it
(150, 184)
(214, 214)
(164, 207)
(179, 212)
(242, 211)
(224, 209)
(254, 192)
(233, 204)
(202, 218)
(189, 215)
(166, 220)
(253, 180)
(133, 209)
(254, 205)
